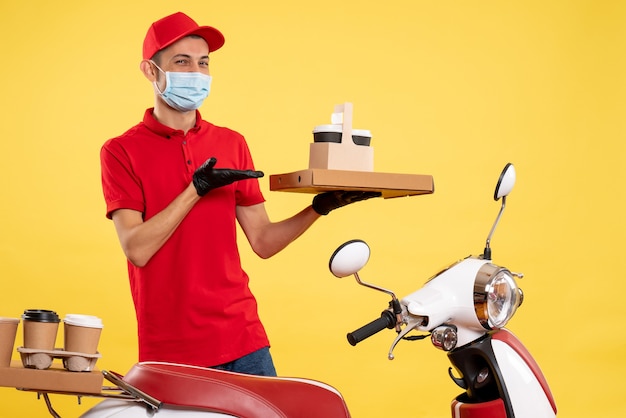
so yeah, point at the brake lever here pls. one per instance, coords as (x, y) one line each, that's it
(412, 323)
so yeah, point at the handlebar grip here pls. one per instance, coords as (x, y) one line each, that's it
(386, 320)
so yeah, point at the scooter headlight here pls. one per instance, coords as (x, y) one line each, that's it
(496, 296)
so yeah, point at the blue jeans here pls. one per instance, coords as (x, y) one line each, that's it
(258, 363)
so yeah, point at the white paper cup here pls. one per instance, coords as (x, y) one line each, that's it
(82, 333)
(8, 331)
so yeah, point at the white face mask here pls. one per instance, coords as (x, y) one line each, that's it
(184, 91)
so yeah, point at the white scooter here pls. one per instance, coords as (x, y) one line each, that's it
(463, 309)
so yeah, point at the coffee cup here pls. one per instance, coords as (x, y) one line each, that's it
(40, 328)
(8, 331)
(82, 333)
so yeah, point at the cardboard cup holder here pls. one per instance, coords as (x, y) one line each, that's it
(34, 358)
(80, 351)
(336, 146)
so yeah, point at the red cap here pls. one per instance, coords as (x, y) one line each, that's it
(170, 29)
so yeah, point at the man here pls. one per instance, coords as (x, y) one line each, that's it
(175, 185)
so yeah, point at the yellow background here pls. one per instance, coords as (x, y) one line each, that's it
(455, 89)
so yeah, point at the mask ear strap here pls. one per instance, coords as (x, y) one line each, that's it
(156, 85)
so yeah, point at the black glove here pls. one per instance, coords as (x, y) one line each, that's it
(323, 203)
(207, 178)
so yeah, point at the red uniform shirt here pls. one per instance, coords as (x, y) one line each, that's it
(192, 299)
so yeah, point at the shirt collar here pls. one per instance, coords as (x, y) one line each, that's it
(163, 130)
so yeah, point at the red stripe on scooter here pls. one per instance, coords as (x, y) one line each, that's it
(491, 409)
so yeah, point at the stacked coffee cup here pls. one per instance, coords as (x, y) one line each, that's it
(40, 333)
(8, 331)
(81, 335)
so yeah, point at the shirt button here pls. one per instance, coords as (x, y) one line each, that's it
(184, 142)
(189, 162)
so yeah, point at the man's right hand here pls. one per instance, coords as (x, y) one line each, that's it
(207, 178)
(323, 203)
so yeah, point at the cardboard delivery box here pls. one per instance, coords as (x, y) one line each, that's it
(54, 379)
(319, 180)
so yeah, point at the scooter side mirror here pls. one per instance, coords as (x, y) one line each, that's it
(349, 258)
(505, 182)
(503, 188)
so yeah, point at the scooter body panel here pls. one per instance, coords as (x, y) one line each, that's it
(499, 368)
(448, 298)
(114, 408)
(528, 390)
